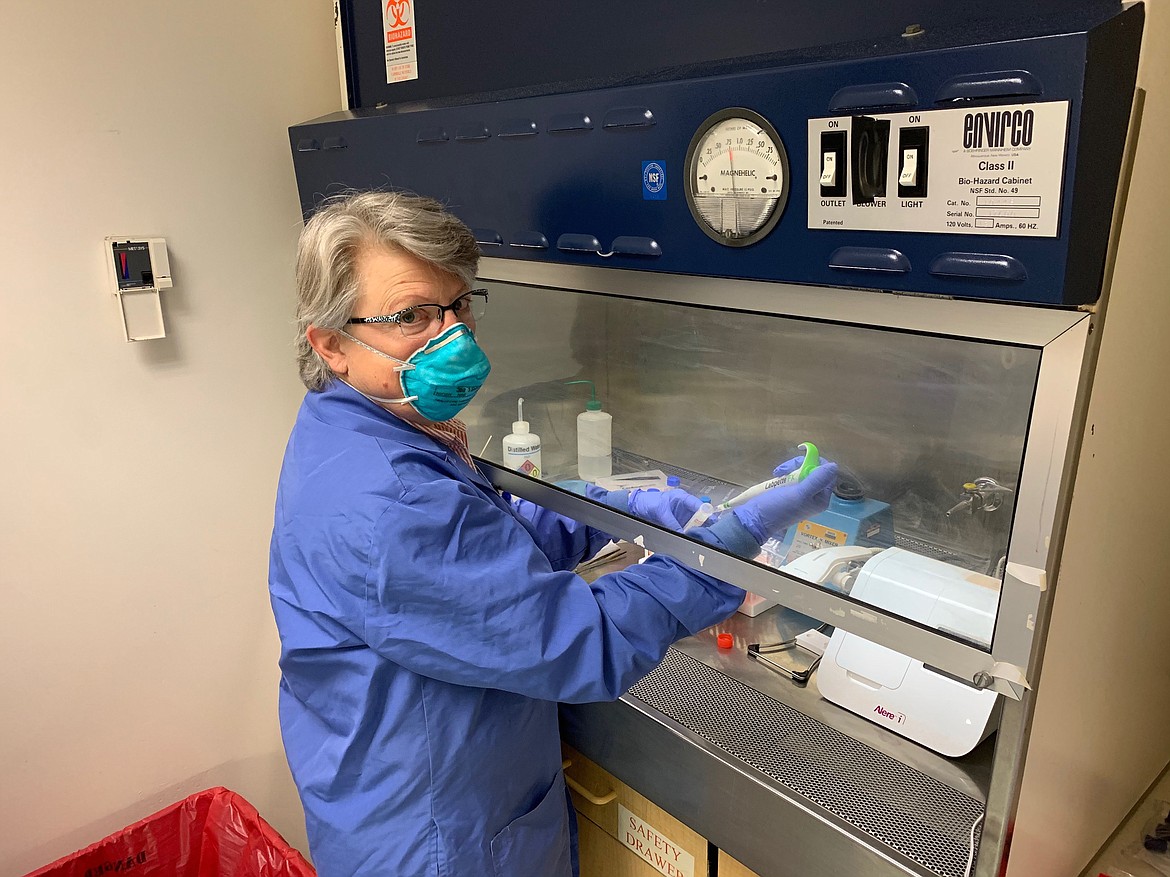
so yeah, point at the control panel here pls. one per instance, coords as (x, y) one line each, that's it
(987, 169)
(980, 170)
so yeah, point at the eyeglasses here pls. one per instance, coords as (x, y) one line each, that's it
(420, 319)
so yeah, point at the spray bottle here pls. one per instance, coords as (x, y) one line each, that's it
(522, 446)
(594, 439)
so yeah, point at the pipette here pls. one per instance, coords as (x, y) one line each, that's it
(811, 461)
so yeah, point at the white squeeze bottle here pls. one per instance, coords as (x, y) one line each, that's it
(522, 446)
(594, 439)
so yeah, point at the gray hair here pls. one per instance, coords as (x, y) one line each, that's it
(345, 226)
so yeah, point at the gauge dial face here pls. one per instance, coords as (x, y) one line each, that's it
(737, 177)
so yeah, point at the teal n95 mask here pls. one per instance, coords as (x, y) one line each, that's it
(442, 376)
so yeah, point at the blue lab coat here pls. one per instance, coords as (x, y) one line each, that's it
(428, 629)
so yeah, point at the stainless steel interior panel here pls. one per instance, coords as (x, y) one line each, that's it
(723, 395)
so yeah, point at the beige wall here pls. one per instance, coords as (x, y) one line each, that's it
(138, 653)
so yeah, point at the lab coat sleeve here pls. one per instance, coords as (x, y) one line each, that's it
(564, 541)
(458, 590)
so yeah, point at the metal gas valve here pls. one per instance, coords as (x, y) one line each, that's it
(983, 493)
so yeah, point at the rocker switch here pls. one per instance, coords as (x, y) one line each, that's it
(829, 169)
(909, 175)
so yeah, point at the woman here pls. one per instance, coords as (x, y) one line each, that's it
(429, 626)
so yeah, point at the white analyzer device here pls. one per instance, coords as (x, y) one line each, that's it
(888, 688)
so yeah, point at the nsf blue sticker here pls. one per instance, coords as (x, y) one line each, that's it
(654, 180)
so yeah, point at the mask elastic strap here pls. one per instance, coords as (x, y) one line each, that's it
(378, 399)
(403, 364)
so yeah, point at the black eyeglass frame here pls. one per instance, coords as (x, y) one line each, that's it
(396, 317)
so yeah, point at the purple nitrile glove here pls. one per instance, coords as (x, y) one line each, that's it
(788, 466)
(666, 508)
(773, 511)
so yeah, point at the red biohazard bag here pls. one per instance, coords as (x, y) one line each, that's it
(213, 833)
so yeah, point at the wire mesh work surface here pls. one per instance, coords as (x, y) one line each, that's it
(913, 814)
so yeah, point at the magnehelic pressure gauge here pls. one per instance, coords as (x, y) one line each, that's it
(737, 177)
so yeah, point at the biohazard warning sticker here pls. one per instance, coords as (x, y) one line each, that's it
(401, 36)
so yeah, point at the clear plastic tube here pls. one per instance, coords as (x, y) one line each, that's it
(700, 517)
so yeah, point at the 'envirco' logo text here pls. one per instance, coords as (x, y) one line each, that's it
(896, 718)
(998, 128)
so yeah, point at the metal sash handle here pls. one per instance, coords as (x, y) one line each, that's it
(596, 800)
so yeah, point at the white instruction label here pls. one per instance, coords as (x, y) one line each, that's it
(978, 170)
(655, 848)
(401, 54)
